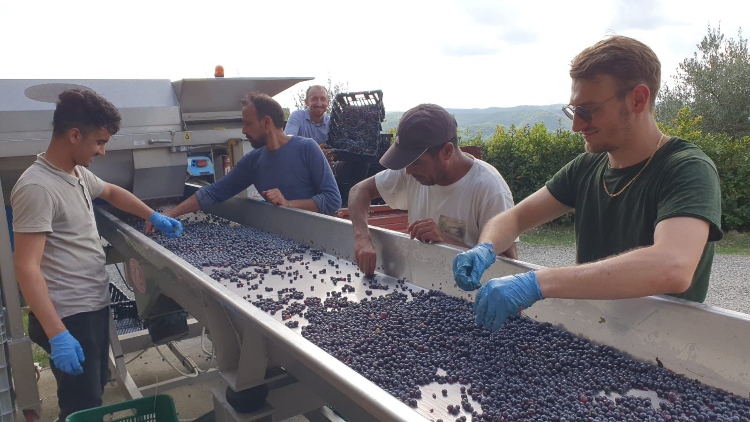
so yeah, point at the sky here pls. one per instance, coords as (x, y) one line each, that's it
(456, 53)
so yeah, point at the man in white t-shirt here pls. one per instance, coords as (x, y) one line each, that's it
(450, 195)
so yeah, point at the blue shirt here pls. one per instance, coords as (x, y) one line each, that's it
(298, 169)
(299, 123)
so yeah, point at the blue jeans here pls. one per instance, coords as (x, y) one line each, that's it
(80, 392)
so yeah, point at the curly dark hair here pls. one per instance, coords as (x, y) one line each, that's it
(85, 110)
(265, 106)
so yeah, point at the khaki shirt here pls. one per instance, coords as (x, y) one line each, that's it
(49, 200)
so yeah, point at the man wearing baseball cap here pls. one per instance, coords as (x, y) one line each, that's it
(450, 195)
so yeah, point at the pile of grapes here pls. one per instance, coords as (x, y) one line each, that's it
(414, 343)
(357, 130)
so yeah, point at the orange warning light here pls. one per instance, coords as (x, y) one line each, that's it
(219, 71)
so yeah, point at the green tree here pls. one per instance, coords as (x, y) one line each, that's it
(715, 84)
(333, 89)
(684, 125)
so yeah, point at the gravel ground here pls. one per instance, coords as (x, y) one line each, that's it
(730, 275)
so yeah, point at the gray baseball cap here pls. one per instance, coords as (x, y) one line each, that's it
(420, 128)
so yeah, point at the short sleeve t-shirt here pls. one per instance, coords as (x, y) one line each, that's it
(460, 209)
(680, 181)
(48, 200)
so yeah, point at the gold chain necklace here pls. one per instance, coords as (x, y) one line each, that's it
(604, 182)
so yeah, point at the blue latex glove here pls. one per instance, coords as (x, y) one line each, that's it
(469, 266)
(505, 296)
(67, 353)
(167, 225)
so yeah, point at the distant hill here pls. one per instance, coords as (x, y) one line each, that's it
(486, 119)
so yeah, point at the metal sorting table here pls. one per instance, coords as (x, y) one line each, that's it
(702, 342)
(325, 268)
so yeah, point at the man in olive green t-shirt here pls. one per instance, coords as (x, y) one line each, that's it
(647, 206)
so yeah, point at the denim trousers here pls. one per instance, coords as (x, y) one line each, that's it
(84, 391)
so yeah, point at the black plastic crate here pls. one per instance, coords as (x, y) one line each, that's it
(361, 99)
(356, 124)
(124, 311)
(128, 325)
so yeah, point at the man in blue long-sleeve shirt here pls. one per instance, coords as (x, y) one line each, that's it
(287, 170)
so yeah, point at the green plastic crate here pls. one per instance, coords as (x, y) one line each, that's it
(159, 408)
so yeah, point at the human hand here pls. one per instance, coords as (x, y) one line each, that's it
(469, 266)
(275, 197)
(150, 229)
(67, 353)
(329, 154)
(365, 255)
(426, 231)
(505, 296)
(168, 226)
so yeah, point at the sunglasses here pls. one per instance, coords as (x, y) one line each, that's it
(583, 113)
(586, 114)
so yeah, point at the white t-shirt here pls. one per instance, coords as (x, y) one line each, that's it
(460, 209)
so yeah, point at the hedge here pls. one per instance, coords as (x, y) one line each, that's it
(529, 156)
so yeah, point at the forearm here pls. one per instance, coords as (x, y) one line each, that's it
(359, 208)
(237, 180)
(126, 201)
(35, 292)
(511, 252)
(501, 231)
(328, 201)
(304, 204)
(638, 273)
(189, 205)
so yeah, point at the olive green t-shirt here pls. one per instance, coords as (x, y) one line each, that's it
(680, 181)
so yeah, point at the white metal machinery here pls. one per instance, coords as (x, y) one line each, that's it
(161, 122)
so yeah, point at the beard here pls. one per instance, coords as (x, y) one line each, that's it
(260, 142)
(624, 126)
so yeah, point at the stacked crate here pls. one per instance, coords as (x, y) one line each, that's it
(355, 128)
(354, 135)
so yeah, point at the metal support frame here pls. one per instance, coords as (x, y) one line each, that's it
(19, 345)
(117, 363)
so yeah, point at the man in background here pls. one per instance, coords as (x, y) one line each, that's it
(312, 122)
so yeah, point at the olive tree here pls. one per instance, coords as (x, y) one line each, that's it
(714, 84)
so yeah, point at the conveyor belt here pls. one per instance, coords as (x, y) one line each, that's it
(315, 275)
(317, 271)
(348, 392)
